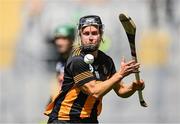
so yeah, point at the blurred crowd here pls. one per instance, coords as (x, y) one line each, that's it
(28, 56)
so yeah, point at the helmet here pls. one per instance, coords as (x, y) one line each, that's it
(90, 20)
(65, 31)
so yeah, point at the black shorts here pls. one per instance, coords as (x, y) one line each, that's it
(80, 121)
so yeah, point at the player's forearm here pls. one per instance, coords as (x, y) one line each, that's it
(98, 89)
(104, 87)
(126, 91)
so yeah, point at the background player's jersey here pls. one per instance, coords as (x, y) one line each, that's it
(72, 103)
(56, 84)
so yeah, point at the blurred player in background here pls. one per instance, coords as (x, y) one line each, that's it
(64, 36)
(84, 85)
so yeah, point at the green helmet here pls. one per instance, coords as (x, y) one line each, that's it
(65, 31)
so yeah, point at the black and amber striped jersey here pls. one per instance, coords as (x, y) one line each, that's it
(72, 103)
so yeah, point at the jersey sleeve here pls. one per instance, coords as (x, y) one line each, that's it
(81, 72)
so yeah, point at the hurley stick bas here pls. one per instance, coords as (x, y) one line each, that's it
(130, 29)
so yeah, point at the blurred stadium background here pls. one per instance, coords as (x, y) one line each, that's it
(27, 55)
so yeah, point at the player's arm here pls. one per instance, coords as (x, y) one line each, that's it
(98, 89)
(123, 90)
(85, 80)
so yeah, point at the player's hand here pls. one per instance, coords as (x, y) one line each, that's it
(138, 85)
(128, 68)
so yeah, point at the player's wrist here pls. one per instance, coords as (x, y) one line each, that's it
(117, 77)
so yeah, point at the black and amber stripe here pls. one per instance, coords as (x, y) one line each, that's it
(67, 103)
(53, 115)
(83, 77)
(76, 51)
(74, 105)
(77, 106)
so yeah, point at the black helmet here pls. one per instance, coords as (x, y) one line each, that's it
(90, 20)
